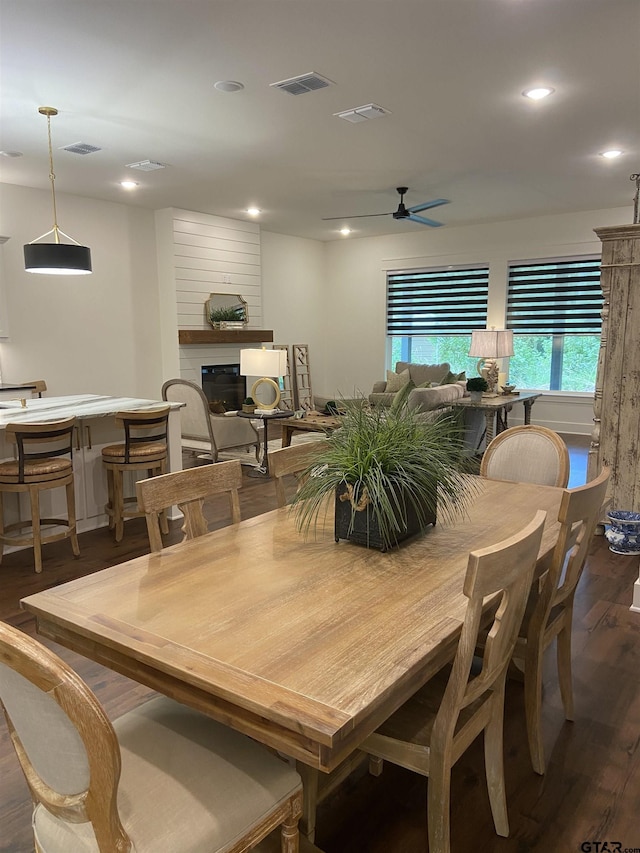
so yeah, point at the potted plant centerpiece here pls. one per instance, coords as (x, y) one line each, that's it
(388, 472)
(475, 386)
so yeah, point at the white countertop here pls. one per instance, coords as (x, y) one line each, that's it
(80, 405)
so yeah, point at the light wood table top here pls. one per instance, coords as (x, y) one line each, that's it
(306, 645)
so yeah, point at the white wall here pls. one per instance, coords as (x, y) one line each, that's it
(82, 334)
(356, 290)
(293, 283)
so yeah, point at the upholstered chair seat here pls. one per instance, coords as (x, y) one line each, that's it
(162, 778)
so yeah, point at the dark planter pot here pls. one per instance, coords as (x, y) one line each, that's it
(365, 527)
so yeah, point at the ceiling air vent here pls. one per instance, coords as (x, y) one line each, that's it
(364, 113)
(303, 83)
(146, 165)
(80, 148)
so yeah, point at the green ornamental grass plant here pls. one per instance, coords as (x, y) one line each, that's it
(389, 461)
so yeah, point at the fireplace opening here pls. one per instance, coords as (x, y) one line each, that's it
(223, 386)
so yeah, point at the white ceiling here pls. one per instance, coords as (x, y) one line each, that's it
(135, 77)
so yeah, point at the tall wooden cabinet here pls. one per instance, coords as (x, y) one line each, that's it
(616, 435)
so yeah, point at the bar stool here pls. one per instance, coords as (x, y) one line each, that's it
(144, 449)
(44, 462)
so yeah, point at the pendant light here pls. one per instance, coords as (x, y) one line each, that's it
(56, 258)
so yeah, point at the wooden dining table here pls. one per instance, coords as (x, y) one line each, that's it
(304, 643)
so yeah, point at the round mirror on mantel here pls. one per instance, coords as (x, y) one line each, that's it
(226, 311)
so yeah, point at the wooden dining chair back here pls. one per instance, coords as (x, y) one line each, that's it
(187, 490)
(37, 386)
(161, 777)
(291, 460)
(527, 454)
(549, 612)
(144, 449)
(44, 462)
(430, 732)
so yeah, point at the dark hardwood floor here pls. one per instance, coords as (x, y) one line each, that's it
(590, 792)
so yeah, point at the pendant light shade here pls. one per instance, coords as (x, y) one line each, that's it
(56, 258)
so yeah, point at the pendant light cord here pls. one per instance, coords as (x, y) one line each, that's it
(52, 178)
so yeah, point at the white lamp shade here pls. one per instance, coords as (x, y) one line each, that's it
(491, 343)
(263, 362)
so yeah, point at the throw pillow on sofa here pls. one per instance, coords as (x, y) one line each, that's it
(396, 381)
(450, 378)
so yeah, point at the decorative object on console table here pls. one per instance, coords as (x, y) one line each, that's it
(488, 345)
(476, 386)
(249, 405)
(384, 468)
(302, 373)
(287, 397)
(226, 311)
(265, 363)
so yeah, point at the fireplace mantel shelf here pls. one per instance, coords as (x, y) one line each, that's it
(224, 336)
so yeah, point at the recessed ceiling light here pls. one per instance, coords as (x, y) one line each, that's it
(612, 154)
(254, 211)
(538, 93)
(345, 231)
(228, 86)
(11, 154)
(129, 185)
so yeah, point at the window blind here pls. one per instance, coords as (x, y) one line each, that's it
(555, 298)
(437, 301)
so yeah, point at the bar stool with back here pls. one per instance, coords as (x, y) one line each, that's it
(144, 449)
(44, 462)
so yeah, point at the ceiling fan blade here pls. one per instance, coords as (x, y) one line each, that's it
(435, 203)
(423, 221)
(357, 216)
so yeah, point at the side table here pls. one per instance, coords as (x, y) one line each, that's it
(497, 408)
(263, 469)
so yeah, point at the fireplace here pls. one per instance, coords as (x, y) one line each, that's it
(223, 384)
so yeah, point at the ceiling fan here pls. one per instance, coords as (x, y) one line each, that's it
(402, 212)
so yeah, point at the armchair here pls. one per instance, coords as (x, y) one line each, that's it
(203, 431)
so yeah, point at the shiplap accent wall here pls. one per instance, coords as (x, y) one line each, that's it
(213, 255)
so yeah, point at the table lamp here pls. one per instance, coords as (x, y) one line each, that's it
(265, 363)
(487, 345)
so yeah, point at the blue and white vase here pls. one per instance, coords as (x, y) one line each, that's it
(623, 533)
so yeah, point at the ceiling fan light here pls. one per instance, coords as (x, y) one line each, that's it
(57, 259)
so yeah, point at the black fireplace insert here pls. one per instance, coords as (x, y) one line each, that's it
(222, 384)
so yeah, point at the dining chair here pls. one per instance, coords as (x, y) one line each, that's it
(291, 460)
(44, 462)
(549, 612)
(159, 778)
(187, 489)
(144, 449)
(430, 732)
(204, 432)
(527, 454)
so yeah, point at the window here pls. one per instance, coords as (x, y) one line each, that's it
(431, 314)
(554, 309)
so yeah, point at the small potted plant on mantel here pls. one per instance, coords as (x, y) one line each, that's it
(475, 386)
(388, 471)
